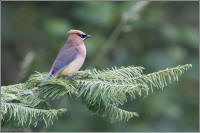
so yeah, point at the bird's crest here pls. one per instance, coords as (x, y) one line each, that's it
(75, 32)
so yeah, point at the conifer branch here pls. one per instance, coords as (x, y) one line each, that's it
(25, 115)
(103, 91)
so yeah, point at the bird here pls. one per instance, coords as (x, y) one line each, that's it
(71, 56)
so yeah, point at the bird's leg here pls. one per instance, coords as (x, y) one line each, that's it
(70, 77)
(73, 77)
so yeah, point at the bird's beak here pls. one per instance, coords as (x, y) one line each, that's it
(88, 36)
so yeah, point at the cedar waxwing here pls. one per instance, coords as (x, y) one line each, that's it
(71, 56)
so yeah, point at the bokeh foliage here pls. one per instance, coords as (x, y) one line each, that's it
(159, 35)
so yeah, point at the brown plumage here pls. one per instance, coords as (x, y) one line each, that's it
(71, 56)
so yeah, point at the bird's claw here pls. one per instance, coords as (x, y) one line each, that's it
(71, 78)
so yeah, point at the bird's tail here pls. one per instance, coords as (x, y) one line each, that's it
(43, 82)
(45, 79)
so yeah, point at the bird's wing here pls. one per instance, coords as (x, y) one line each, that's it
(63, 59)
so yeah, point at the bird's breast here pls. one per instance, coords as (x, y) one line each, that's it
(76, 64)
(73, 67)
(82, 50)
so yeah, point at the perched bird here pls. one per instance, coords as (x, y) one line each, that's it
(71, 56)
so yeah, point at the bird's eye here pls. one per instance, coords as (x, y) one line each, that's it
(82, 35)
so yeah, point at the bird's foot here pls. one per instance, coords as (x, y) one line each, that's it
(71, 77)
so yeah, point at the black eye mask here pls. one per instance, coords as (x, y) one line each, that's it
(82, 35)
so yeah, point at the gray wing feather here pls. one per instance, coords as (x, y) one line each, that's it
(63, 59)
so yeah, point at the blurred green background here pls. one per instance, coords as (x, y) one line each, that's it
(155, 35)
